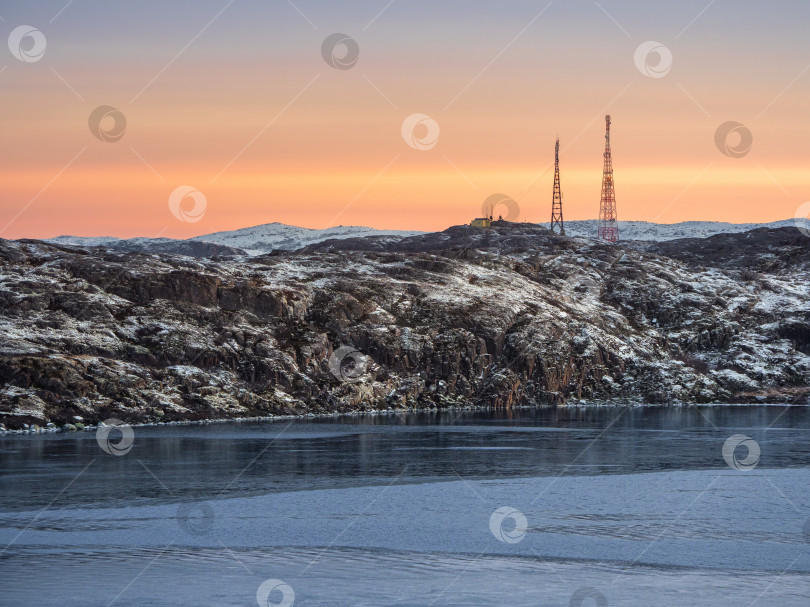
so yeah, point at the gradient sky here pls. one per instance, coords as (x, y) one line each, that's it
(235, 99)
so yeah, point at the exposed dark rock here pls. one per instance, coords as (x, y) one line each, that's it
(769, 250)
(504, 317)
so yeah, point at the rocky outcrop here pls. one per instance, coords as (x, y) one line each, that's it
(761, 250)
(512, 316)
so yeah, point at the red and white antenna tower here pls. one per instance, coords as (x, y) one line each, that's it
(608, 228)
(556, 200)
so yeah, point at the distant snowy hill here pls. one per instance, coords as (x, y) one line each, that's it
(274, 236)
(256, 240)
(102, 241)
(645, 230)
(166, 246)
(261, 239)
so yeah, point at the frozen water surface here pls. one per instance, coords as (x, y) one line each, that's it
(631, 506)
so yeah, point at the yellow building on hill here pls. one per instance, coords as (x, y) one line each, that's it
(480, 222)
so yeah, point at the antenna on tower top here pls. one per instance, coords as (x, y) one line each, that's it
(556, 201)
(608, 227)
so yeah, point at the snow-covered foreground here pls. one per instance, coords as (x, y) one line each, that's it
(389, 512)
(698, 538)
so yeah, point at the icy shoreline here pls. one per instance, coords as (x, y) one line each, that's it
(54, 429)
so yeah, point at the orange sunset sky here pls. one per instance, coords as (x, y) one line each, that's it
(236, 99)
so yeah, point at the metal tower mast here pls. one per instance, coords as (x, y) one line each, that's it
(608, 228)
(556, 201)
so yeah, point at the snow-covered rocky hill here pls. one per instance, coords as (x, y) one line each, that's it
(505, 317)
(278, 236)
(645, 230)
(255, 240)
(258, 240)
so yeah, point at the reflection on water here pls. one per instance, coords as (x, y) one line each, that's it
(396, 510)
(233, 459)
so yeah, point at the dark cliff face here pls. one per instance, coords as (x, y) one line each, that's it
(506, 317)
